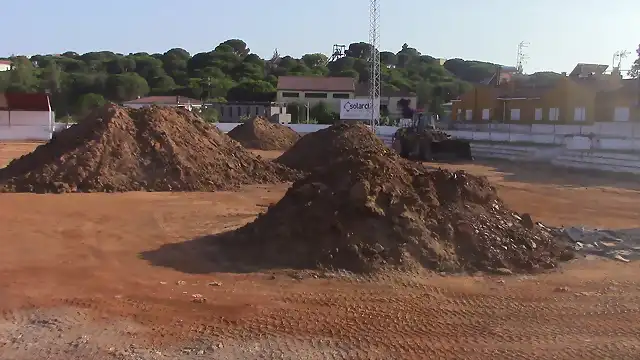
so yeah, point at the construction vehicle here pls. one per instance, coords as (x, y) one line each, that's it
(423, 142)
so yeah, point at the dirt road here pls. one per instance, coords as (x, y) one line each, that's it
(79, 279)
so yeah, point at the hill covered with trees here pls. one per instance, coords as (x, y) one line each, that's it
(230, 72)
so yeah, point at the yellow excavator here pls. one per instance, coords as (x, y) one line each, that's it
(423, 142)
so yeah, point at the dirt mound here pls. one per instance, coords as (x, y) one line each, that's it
(261, 134)
(373, 212)
(323, 147)
(154, 149)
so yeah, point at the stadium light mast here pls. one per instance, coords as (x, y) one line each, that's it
(374, 62)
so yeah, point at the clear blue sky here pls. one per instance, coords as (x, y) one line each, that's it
(561, 33)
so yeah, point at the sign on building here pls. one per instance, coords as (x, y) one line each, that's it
(358, 109)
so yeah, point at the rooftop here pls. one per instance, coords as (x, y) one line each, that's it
(24, 102)
(312, 83)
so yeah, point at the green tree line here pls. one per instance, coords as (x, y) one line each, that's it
(79, 82)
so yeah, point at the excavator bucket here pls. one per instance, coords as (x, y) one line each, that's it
(451, 149)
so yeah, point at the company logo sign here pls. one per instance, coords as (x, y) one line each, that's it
(350, 106)
(358, 109)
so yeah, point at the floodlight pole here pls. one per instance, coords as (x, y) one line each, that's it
(374, 62)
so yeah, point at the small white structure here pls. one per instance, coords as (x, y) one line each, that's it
(174, 101)
(25, 117)
(5, 65)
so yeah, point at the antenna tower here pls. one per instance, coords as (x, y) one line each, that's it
(522, 57)
(374, 62)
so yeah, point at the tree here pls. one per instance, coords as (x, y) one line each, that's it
(210, 115)
(22, 77)
(124, 87)
(322, 114)
(239, 47)
(162, 84)
(88, 102)
(635, 68)
(251, 90)
(232, 72)
(314, 60)
(360, 50)
(388, 58)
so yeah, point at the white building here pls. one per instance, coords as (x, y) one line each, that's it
(5, 65)
(25, 117)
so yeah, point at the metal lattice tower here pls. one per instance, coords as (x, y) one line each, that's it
(522, 57)
(374, 62)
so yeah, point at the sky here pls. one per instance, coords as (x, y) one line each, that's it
(560, 33)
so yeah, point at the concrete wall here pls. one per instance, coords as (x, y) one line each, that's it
(562, 145)
(25, 125)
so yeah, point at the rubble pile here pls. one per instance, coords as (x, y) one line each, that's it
(151, 149)
(370, 210)
(323, 147)
(261, 134)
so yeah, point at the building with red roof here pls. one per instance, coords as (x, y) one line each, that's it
(25, 116)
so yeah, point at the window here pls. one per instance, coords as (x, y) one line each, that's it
(340, 96)
(485, 114)
(468, 115)
(515, 114)
(459, 114)
(538, 114)
(554, 114)
(290, 94)
(579, 114)
(316, 95)
(257, 111)
(621, 114)
(239, 111)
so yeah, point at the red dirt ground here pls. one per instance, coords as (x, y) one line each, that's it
(73, 285)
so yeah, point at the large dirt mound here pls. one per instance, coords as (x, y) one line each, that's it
(154, 149)
(261, 134)
(323, 147)
(370, 212)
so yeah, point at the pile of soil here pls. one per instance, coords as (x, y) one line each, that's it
(372, 211)
(261, 134)
(150, 149)
(323, 147)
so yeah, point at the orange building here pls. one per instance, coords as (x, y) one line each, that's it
(567, 99)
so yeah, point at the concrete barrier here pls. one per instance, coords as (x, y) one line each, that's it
(596, 146)
(626, 163)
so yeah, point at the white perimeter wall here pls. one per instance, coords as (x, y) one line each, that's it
(603, 146)
(25, 125)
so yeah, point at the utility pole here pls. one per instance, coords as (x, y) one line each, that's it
(374, 63)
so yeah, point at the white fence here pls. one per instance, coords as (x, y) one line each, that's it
(585, 147)
(608, 129)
